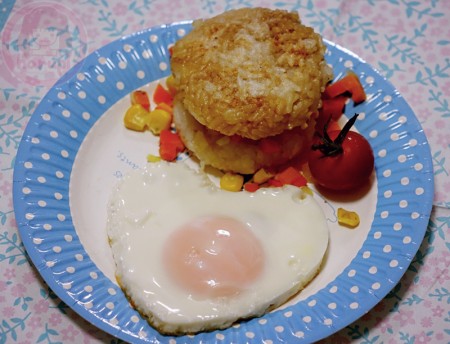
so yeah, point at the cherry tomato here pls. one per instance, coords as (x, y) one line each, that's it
(341, 160)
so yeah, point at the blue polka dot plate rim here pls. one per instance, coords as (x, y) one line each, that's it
(66, 136)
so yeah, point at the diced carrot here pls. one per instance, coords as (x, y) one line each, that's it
(170, 50)
(275, 183)
(291, 176)
(170, 145)
(269, 146)
(140, 97)
(251, 187)
(161, 95)
(349, 83)
(333, 107)
(165, 107)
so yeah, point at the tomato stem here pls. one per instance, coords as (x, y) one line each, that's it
(330, 147)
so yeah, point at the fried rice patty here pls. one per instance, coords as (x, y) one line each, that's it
(252, 72)
(234, 153)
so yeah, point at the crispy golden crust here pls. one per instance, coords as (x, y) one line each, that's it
(251, 72)
(237, 154)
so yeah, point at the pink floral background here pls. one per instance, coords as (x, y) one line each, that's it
(407, 41)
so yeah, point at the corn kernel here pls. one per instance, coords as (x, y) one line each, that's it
(136, 118)
(231, 182)
(153, 158)
(170, 83)
(347, 218)
(159, 120)
(262, 176)
(223, 141)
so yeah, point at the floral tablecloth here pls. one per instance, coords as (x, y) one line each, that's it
(407, 41)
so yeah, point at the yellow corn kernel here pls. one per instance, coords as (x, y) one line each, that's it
(223, 141)
(347, 218)
(262, 176)
(307, 190)
(231, 182)
(136, 118)
(153, 158)
(159, 120)
(170, 83)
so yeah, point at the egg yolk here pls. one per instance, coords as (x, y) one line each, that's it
(213, 257)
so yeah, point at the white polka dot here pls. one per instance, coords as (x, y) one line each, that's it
(163, 66)
(250, 335)
(377, 235)
(58, 196)
(29, 216)
(404, 181)
(120, 85)
(110, 305)
(387, 99)
(299, 334)
(26, 190)
(68, 238)
(279, 329)
(101, 99)
(348, 64)
(370, 80)
(81, 94)
(64, 153)
(288, 314)
(354, 305)
(50, 263)
(135, 319)
(373, 134)
(35, 140)
(113, 321)
(66, 113)
(61, 95)
(37, 241)
(415, 215)
(41, 179)
(181, 32)
(351, 273)
(387, 173)
(383, 116)
(80, 76)
(403, 203)
(46, 117)
(387, 248)
(387, 194)
(413, 142)
(142, 334)
(140, 74)
(122, 65)
(54, 134)
(307, 319)
(332, 305)
(394, 137)
(146, 54)
(111, 291)
(354, 289)
(393, 263)
(418, 166)
(67, 285)
(267, 341)
(45, 156)
(376, 286)
(86, 115)
(79, 257)
(382, 153)
(407, 240)
(401, 158)
(419, 191)
(333, 289)
(101, 78)
(328, 321)
(47, 226)
(373, 270)
(384, 214)
(73, 134)
(88, 289)
(361, 116)
(93, 275)
(42, 203)
(102, 60)
(70, 269)
(402, 119)
(262, 321)
(127, 48)
(28, 164)
(61, 217)
(366, 254)
(153, 38)
(312, 303)
(59, 174)
(88, 305)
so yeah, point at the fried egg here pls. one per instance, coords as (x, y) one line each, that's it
(192, 257)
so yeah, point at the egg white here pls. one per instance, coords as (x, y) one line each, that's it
(148, 205)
